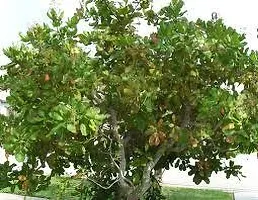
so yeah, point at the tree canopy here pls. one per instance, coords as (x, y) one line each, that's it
(139, 105)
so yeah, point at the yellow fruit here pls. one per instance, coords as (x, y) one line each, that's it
(22, 178)
(154, 140)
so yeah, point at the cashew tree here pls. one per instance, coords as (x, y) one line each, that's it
(136, 106)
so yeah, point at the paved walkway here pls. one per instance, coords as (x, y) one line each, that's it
(4, 196)
(246, 196)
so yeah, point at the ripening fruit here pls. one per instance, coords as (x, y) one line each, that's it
(229, 139)
(162, 136)
(29, 73)
(229, 126)
(22, 178)
(25, 185)
(206, 165)
(199, 165)
(222, 111)
(72, 82)
(193, 142)
(47, 77)
(154, 140)
(75, 51)
(160, 122)
(154, 38)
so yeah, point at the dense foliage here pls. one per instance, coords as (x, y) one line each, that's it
(139, 105)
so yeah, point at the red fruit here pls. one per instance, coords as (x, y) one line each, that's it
(47, 77)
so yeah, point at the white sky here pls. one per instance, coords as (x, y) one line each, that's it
(17, 15)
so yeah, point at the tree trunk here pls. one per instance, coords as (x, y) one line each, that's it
(127, 193)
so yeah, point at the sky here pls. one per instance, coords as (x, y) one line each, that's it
(16, 16)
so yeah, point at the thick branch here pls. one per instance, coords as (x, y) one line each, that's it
(186, 119)
(146, 178)
(116, 165)
(122, 164)
(217, 126)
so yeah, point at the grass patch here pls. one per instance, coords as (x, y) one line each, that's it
(195, 194)
(60, 188)
(64, 188)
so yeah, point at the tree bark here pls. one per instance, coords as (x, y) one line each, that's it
(145, 185)
(125, 185)
(127, 190)
(158, 174)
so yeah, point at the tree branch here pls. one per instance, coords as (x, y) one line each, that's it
(146, 178)
(187, 112)
(117, 166)
(103, 187)
(218, 125)
(122, 165)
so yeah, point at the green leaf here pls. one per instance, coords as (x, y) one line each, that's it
(148, 105)
(128, 92)
(20, 157)
(92, 125)
(177, 163)
(73, 21)
(33, 136)
(197, 179)
(191, 172)
(56, 116)
(83, 129)
(71, 128)
(34, 119)
(55, 129)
